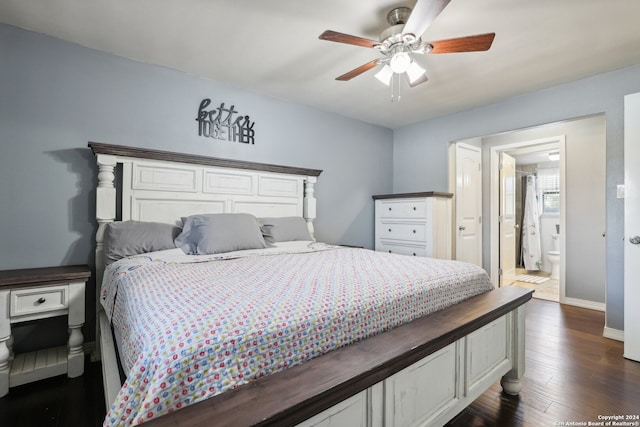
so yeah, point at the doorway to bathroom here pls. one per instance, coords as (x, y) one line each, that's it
(583, 207)
(529, 200)
(537, 216)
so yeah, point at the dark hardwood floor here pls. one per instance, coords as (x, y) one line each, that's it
(573, 374)
(57, 401)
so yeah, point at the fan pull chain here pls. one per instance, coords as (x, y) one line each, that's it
(392, 87)
(395, 88)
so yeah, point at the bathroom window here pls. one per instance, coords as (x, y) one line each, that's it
(549, 191)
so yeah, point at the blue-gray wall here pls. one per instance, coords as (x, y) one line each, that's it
(420, 150)
(57, 96)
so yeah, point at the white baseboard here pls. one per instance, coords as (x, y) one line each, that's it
(591, 305)
(614, 334)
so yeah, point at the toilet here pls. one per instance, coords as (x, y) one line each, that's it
(554, 256)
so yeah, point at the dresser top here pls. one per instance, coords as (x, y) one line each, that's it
(413, 195)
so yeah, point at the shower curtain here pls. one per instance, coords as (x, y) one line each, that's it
(531, 252)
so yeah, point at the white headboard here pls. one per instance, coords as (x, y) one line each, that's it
(162, 186)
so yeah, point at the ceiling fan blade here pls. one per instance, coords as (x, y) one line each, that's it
(356, 72)
(477, 43)
(334, 36)
(423, 14)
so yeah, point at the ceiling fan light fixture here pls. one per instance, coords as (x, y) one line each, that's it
(384, 75)
(414, 72)
(400, 62)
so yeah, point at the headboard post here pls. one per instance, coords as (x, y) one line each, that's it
(105, 213)
(105, 205)
(309, 204)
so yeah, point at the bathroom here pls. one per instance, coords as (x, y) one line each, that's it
(583, 217)
(541, 271)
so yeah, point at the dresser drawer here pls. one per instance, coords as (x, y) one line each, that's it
(38, 300)
(403, 231)
(411, 250)
(409, 209)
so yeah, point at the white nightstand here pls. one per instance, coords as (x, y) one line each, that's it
(39, 293)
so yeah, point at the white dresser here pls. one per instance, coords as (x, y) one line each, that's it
(417, 224)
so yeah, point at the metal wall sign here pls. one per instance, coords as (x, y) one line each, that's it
(222, 123)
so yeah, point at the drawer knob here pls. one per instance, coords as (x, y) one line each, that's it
(389, 230)
(389, 250)
(389, 208)
(414, 231)
(414, 254)
(41, 300)
(414, 208)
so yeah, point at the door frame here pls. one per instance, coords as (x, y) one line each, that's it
(505, 230)
(558, 142)
(631, 331)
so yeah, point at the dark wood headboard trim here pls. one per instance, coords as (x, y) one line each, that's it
(332, 378)
(145, 153)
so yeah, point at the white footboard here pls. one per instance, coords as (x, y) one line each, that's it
(435, 389)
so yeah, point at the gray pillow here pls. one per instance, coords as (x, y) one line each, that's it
(284, 229)
(126, 238)
(217, 233)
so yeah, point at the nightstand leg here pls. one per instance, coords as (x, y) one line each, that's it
(5, 337)
(10, 346)
(75, 360)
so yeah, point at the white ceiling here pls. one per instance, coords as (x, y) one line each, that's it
(272, 47)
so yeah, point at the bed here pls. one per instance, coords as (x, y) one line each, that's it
(406, 358)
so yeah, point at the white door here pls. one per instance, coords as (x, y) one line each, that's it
(468, 196)
(507, 219)
(632, 226)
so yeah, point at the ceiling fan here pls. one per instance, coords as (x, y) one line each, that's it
(403, 38)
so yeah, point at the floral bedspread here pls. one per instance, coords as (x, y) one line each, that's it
(193, 327)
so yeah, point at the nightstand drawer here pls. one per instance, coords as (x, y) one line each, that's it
(38, 300)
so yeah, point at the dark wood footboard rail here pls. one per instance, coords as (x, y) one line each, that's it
(298, 393)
